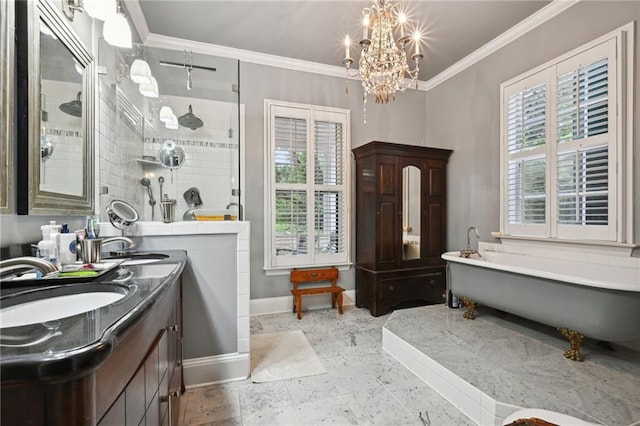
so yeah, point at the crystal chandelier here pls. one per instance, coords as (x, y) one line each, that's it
(383, 60)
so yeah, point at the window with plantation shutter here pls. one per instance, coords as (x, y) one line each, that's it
(307, 173)
(585, 133)
(526, 140)
(563, 164)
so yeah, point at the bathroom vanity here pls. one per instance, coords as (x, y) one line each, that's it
(120, 364)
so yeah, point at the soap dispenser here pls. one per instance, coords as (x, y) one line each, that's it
(67, 253)
(48, 247)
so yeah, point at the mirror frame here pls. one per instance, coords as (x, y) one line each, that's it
(6, 101)
(30, 199)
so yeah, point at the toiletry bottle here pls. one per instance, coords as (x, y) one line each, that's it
(48, 246)
(67, 253)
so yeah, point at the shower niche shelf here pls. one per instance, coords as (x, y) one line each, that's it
(148, 161)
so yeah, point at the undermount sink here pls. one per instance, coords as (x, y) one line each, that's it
(54, 303)
(142, 258)
(139, 261)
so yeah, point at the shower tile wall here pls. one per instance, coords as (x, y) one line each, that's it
(119, 145)
(211, 160)
(211, 154)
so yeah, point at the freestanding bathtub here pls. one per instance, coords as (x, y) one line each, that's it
(598, 300)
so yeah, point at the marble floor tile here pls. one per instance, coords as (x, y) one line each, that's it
(520, 362)
(624, 387)
(307, 389)
(427, 404)
(512, 350)
(255, 397)
(516, 361)
(555, 373)
(323, 412)
(209, 404)
(601, 404)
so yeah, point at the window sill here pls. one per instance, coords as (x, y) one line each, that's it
(285, 270)
(622, 249)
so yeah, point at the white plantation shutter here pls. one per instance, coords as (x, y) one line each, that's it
(526, 138)
(583, 184)
(585, 131)
(560, 148)
(290, 204)
(329, 188)
(308, 179)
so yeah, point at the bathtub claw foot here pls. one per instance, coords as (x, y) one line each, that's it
(470, 305)
(575, 339)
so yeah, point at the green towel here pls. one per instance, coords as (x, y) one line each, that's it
(77, 274)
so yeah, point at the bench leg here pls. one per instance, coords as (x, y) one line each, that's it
(334, 296)
(299, 306)
(340, 302)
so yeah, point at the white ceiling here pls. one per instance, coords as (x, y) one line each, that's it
(314, 30)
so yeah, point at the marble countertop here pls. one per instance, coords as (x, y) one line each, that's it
(80, 343)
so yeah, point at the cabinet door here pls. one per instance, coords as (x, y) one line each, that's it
(116, 414)
(135, 399)
(387, 212)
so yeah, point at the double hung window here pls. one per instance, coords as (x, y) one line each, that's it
(563, 147)
(307, 175)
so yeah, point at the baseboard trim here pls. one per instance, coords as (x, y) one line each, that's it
(276, 305)
(216, 369)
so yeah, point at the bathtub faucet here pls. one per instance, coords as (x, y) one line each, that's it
(469, 251)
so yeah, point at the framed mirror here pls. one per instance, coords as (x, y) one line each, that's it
(6, 109)
(55, 90)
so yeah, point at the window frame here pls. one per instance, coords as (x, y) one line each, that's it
(274, 264)
(620, 230)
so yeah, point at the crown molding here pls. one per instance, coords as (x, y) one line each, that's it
(137, 17)
(156, 40)
(540, 17)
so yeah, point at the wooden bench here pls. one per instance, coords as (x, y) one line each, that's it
(311, 276)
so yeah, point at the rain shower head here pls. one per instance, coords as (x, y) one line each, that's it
(190, 120)
(73, 107)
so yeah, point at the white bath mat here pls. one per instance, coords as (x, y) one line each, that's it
(281, 356)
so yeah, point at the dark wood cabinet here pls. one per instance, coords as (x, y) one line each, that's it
(139, 382)
(400, 225)
(152, 395)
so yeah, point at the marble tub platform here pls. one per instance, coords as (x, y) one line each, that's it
(498, 363)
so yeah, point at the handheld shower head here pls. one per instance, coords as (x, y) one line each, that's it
(146, 182)
(152, 201)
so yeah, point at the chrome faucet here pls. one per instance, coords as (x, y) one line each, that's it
(469, 251)
(41, 265)
(128, 241)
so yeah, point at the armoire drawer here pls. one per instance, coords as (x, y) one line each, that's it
(428, 286)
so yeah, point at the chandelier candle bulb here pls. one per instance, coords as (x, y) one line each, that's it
(416, 38)
(347, 43)
(365, 30)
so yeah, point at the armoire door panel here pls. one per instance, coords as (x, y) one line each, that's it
(434, 221)
(436, 182)
(387, 233)
(387, 179)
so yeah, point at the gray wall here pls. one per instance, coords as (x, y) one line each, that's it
(463, 113)
(400, 121)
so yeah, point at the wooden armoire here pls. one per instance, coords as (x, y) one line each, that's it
(400, 225)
